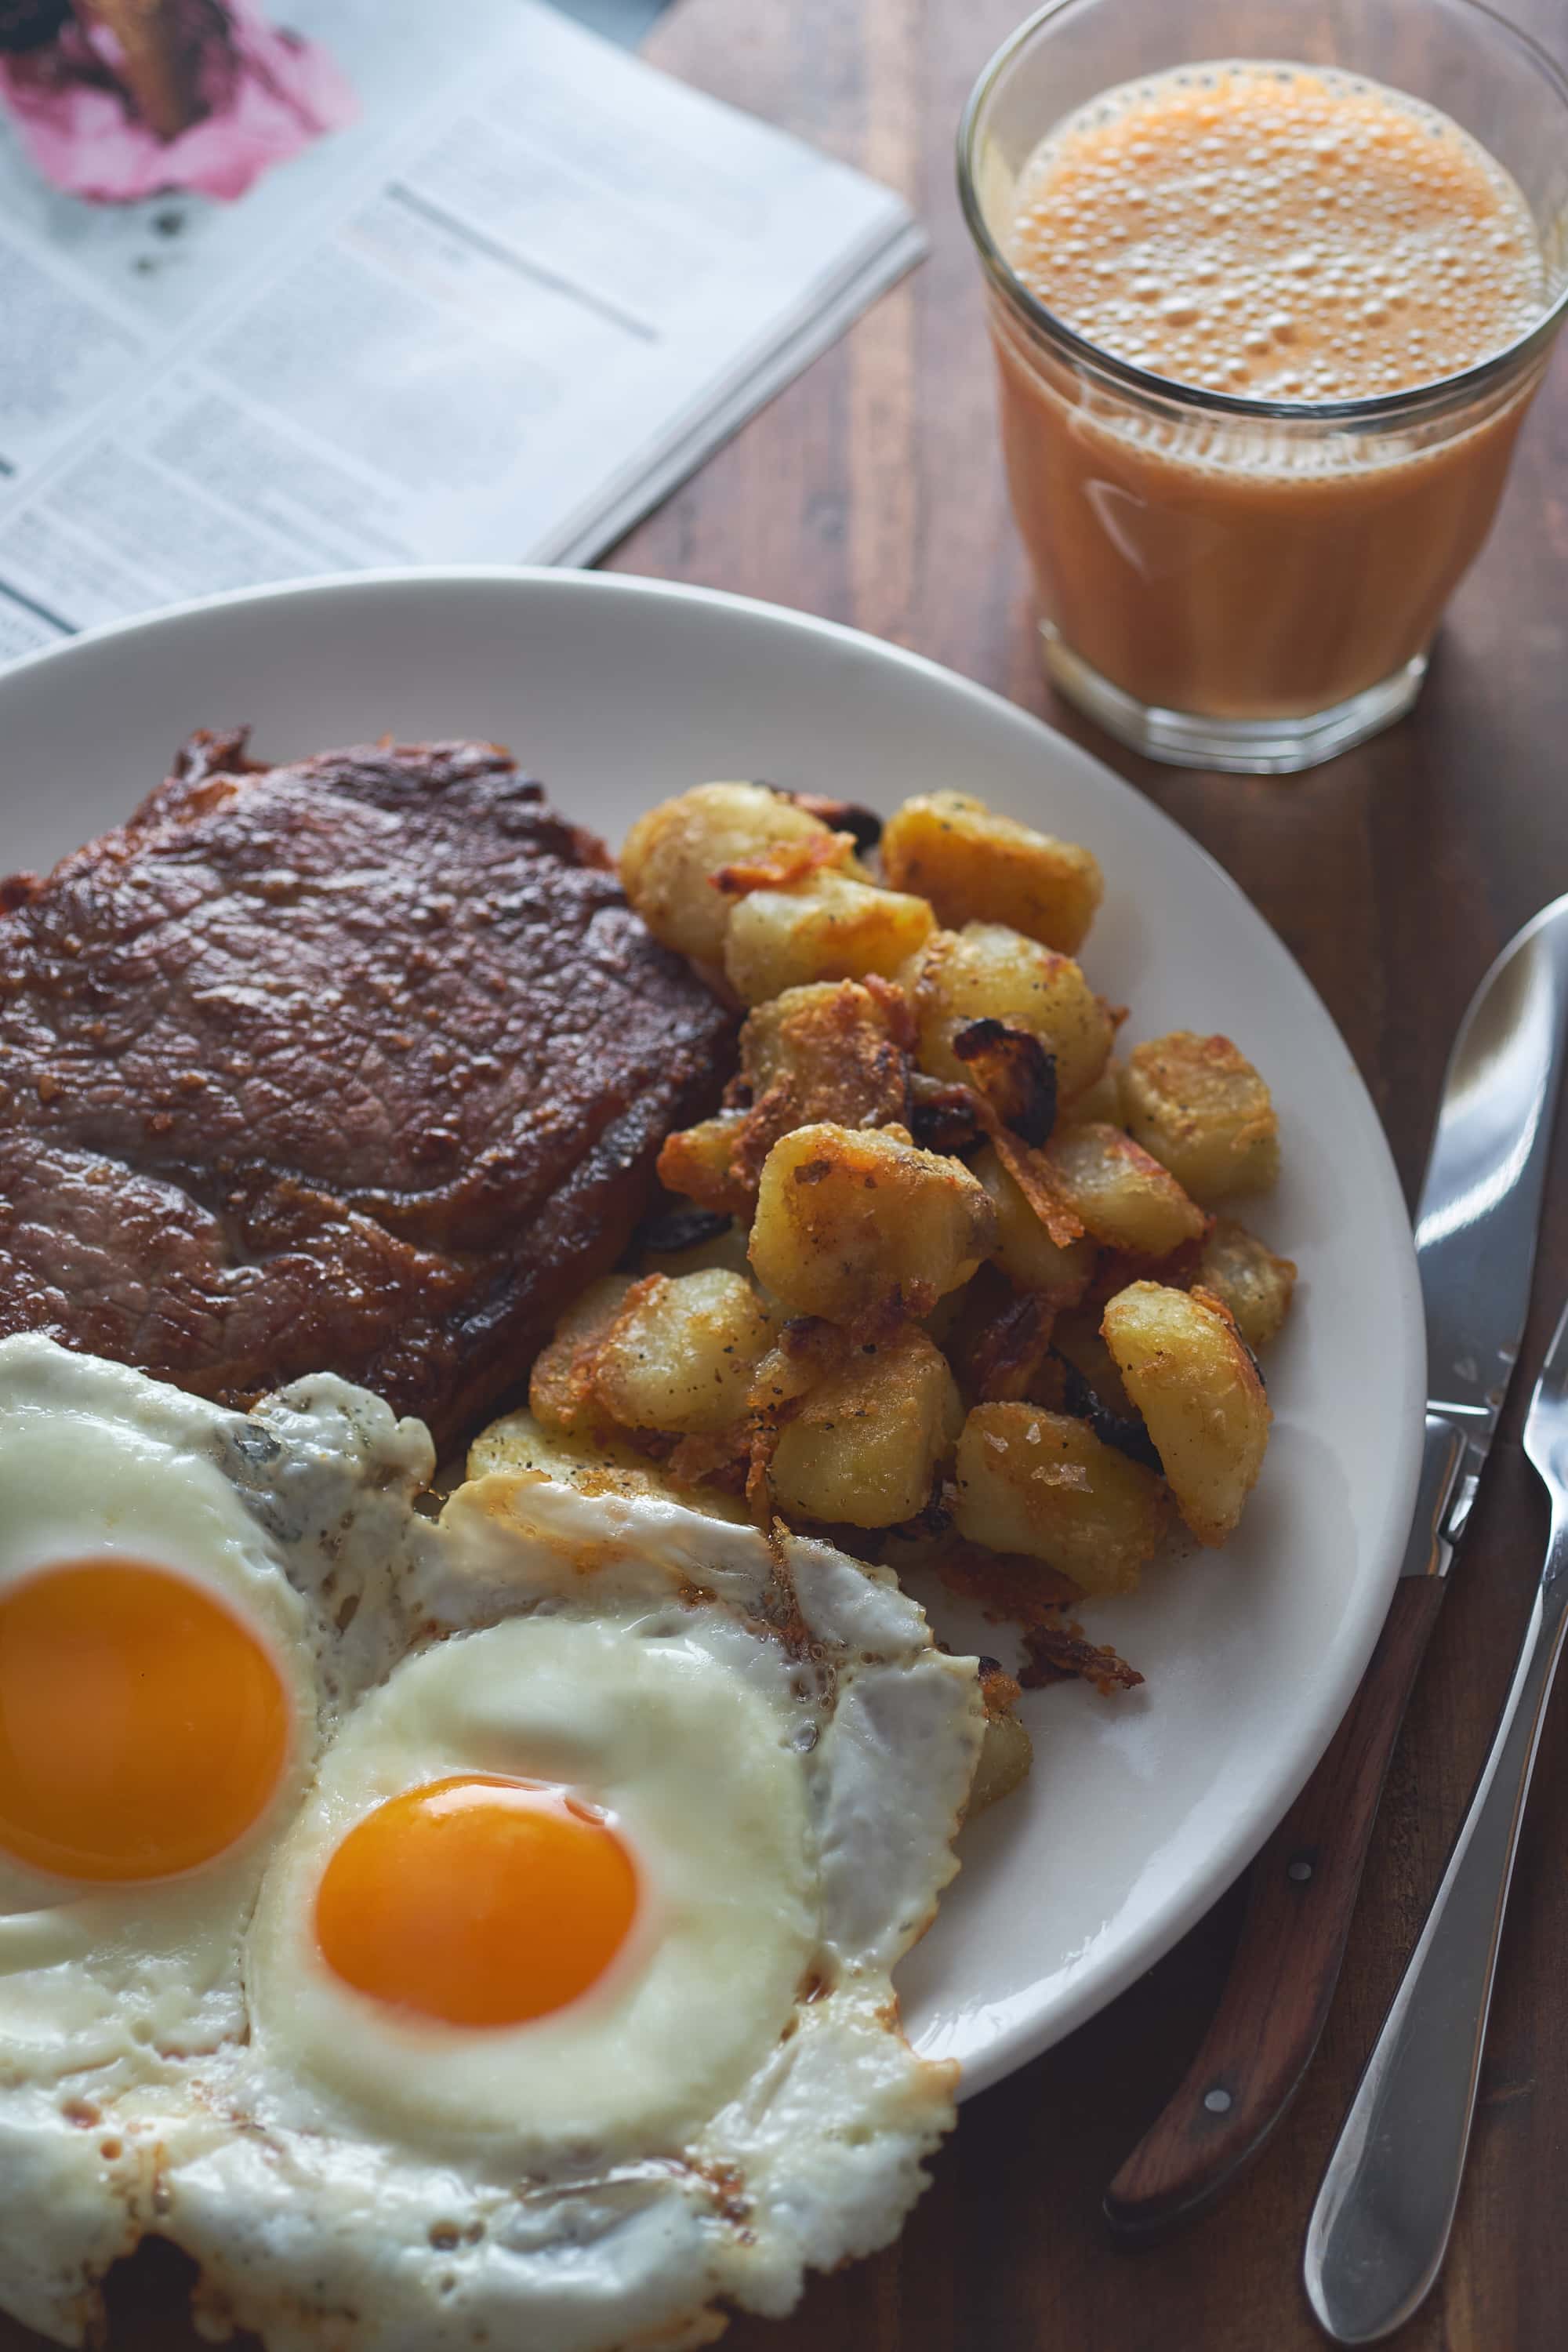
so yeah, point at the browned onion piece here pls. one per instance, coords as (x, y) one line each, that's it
(844, 816)
(1015, 1073)
(1126, 1432)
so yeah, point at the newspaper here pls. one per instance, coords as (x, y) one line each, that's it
(512, 287)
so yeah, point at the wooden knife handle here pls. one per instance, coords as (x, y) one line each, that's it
(1303, 1891)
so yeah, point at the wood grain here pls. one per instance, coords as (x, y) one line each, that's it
(871, 491)
(1301, 1892)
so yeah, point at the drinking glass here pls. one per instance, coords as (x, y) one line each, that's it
(1233, 583)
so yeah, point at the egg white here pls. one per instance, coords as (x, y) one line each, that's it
(295, 1517)
(91, 1971)
(691, 1762)
(721, 2112)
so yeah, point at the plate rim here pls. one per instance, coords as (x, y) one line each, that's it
(1027, 2036)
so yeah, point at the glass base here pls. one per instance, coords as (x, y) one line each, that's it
(1250, 746)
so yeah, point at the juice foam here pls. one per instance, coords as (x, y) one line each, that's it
(1276, 232)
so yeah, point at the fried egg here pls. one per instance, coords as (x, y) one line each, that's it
(556, 2005)
(179, 1595)
(554, 1886)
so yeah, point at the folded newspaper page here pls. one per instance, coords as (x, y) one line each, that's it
(355, 282)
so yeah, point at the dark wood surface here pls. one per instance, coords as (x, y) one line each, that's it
(872, 492)
(1301, 1895)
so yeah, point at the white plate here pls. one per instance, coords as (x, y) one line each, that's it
(617, 692)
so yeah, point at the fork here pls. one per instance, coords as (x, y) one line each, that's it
(1381, 2225)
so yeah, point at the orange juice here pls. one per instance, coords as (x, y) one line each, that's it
(1277, 234)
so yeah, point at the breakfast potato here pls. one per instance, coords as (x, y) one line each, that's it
(1192, 1377)
(1199, 1106)
(823, 1052)
(519, 1444)
(680, 1354)
(705, 1164)
(1255, 1285)
(799, 1037)
(1120, 1195)
(1039, 1482)
(987, 970)
(561, 1391)
(832, 928)
(673, 852)
(847, 1218)
(863, 1446)
(976, 867)
(1024, 1251)
(1006, 1750)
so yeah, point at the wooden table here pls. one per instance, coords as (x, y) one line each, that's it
(872, 492)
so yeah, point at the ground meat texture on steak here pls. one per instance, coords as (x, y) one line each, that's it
(359, 1065)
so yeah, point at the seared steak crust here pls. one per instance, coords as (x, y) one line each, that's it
(359, 1065)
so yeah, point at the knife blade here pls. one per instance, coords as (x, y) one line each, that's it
(1475, 1226)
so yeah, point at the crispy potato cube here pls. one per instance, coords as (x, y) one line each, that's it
(680, 1354)
(1190, 1375)
(1202, 1109)
(847, 1218)
(976, 867)
(673, 852)
(987, 970)
(863, 1446)
(823, 1052)
(519, 1445)
(1255, 1285)
(704, 1163)
(1007, 1752)
(1039, 1482)
(831, 928)
(561, 1388)
(1103, 1101)
(1124, 1198)
(801, 1037)
(1024, 1251)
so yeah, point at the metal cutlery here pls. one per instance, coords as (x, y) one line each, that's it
(1474, 1239)
(1381, 2225)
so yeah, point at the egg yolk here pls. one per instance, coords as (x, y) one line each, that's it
(143, 1727)
(477, 1901)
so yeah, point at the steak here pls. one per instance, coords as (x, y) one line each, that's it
(359, 1065)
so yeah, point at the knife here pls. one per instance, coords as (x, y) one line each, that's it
(1476, 1228)
(1381, 2225)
